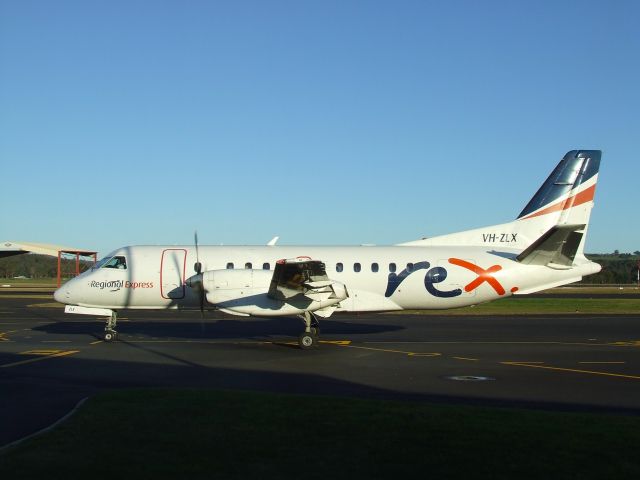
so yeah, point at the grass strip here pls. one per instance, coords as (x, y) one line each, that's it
(217, 434)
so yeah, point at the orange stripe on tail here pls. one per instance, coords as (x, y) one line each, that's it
(573, 201)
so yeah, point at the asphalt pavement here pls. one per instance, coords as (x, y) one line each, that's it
(50, 360)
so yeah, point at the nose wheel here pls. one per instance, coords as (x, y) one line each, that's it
(110, 333)
(311, 335)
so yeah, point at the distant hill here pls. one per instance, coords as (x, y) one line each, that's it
(617, 268)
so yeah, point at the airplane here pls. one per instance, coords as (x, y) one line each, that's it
(542, 248)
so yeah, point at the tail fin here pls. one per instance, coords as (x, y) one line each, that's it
(564, 204)
(569, 190)
(558, 213)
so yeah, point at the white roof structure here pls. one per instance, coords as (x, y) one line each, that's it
(16, 248)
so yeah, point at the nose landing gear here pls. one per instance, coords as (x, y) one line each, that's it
(110, 333)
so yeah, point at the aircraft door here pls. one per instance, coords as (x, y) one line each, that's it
(172, 273)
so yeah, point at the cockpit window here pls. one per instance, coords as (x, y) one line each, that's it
(101, 263)
(116, 262)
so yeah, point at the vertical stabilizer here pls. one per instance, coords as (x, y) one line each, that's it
(563, 204)
(567, 194)
(565, 200)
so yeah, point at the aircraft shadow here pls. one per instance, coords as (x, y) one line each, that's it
(217, 329)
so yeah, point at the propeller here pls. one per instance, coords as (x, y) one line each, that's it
(198, 280)
(197, 266)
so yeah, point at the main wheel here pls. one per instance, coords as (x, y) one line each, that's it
(307, 340)
(109, 336)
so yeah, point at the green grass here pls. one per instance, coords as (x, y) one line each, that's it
(532, 306)
(211, 434)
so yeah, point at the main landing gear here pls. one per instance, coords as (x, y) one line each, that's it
(311, 335)
(110, 333)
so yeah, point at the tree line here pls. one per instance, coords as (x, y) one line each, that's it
(617, 268)
(39, 266)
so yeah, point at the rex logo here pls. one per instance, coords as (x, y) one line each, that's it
(483, 275)
(437, 275)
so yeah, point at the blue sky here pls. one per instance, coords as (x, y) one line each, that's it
(346, 122)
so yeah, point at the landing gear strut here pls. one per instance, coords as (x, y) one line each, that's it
(110, 333)
(311, 335)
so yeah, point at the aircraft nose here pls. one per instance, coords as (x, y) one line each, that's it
(61, 295)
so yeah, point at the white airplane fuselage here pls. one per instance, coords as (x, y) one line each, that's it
(155, 276)
(542, 248)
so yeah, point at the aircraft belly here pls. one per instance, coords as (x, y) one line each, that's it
(365, 301)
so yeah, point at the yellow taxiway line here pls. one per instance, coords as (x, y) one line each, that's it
(572, 370)
(42, 355)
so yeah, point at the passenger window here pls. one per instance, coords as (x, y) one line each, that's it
(116, 262)
(392, 267)
(356, 267)
(230, 266)
(374, 267)
(266, 266)
(409, 267)
(339, 267)
(248, 266)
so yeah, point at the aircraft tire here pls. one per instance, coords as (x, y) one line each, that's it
(307, 340)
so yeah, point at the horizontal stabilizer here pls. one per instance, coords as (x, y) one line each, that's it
(557, 248)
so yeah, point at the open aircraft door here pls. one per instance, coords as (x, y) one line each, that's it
(172, 273)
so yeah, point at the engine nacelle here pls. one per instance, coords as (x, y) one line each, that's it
(221, 286)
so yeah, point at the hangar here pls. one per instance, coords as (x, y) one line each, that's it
(9, 248)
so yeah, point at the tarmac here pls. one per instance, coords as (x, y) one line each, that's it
(49, 360)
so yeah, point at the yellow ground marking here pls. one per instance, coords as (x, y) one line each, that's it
(2, 335)
(465, 358)
(607, 363)
(208, 342)
(40, 352)
(524, 361)
(56, 341)
(388, 350)
(40, 357)
(337, 342)
(573, 370)
(630, 343)
(44, 305)
(96, 342)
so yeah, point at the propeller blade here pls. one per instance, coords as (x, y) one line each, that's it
(197, 266)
